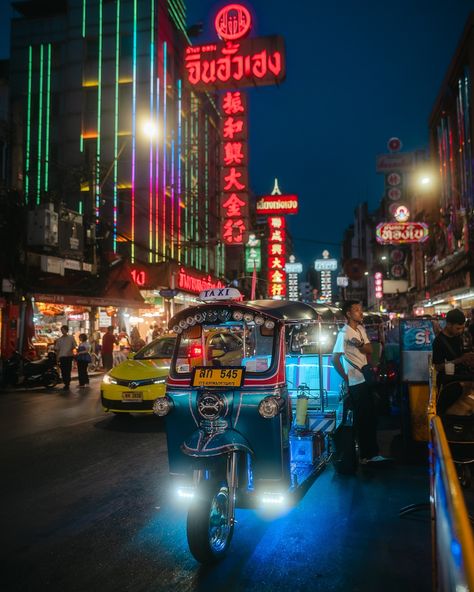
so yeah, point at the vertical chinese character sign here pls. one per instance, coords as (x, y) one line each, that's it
(234, 171)
(276, 257)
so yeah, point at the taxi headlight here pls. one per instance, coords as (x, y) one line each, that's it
(270, 406)
(108, 379)
(162, 406)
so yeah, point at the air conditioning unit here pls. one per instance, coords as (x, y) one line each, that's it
(43, 224)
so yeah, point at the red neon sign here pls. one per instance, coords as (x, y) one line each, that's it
(277, 204)
(139, 277)
(194, 282)
(233, 22)
(250, 62)
(234, 173)
(401, 232)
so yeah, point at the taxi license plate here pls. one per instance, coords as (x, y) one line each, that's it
(132, 396)
(220, 377)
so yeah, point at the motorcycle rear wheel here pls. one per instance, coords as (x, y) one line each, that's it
(209, 534)
(51, 382)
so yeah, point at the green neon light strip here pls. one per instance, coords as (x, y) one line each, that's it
(84, 2)
(81, 144)
(99, 108)
(48, 111)
(28, 125)
(40, 127)
(116, 124)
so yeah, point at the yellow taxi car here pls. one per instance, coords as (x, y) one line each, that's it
(133, 385)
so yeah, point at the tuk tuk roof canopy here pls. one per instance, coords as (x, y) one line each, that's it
(282, 310)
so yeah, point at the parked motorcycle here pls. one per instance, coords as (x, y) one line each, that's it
(23, 373)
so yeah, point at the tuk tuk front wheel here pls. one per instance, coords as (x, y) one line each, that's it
(208, 530)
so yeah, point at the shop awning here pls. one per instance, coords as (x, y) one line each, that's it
(119, 290)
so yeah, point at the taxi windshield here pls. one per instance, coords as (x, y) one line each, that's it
(233, 344)
(159, 348)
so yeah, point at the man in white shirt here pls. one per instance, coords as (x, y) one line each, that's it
(349, 356)
(64, 348)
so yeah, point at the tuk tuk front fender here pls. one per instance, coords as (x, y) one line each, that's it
(203, 444)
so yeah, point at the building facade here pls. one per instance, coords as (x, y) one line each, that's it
(114, 161)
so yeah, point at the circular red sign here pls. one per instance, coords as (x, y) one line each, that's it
(394, 144)
(394, 193)
(398, 270)
(394, 179)
(233, 22)
(397, 255)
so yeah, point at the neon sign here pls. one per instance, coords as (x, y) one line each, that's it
(276, 259)
(277, 204)
(378, 277)
(251, 62)
(234, 173)
(196, 283)
(139, 277)
(401, 232)
(233, 22)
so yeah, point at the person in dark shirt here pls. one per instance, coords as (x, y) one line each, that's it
(448, 347)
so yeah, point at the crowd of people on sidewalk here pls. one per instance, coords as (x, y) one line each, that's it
(111, 347)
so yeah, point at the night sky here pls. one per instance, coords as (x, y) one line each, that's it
(357, 74)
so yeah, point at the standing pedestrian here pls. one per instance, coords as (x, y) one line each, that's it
(64, 348)
(83, 360)
(349, 356)
(108, 342)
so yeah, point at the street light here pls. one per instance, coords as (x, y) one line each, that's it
(150, 129)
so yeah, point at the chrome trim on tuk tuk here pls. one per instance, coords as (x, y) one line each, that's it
(204, 444)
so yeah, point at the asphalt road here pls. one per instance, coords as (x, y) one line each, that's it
(86, 506)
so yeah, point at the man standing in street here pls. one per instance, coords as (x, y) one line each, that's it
(353, 345)
(108, 342)
(64, 348)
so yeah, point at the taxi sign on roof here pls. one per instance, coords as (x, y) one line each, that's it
(220, 294)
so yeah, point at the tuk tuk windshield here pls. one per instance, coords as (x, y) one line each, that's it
(230, 344)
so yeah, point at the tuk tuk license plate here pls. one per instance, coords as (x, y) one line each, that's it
(223, 377)
(132, 396)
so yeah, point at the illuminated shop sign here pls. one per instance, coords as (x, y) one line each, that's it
(293, 269)
(253, 254)
(234, 64)
(401, 232)
(394, 162)
(378, 278)
(277, 204)
(234, 172)
(233, 22)
(196, 282)
(276, 259)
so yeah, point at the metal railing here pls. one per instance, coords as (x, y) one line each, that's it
(452, 535)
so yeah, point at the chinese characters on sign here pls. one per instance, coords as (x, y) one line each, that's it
(235, 64)
(253, 254)
(293, 269)
(378, 284)
(276, 257)
(234, 173)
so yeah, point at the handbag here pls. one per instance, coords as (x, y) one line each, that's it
(368, 372)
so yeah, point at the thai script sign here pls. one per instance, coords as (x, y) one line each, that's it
(234, 64)
(196, 283)
(277, 204)
(400, 161)
(401, 232)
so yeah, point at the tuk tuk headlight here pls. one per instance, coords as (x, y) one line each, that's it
(162, 406)
(237, 315)
(270, 406)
